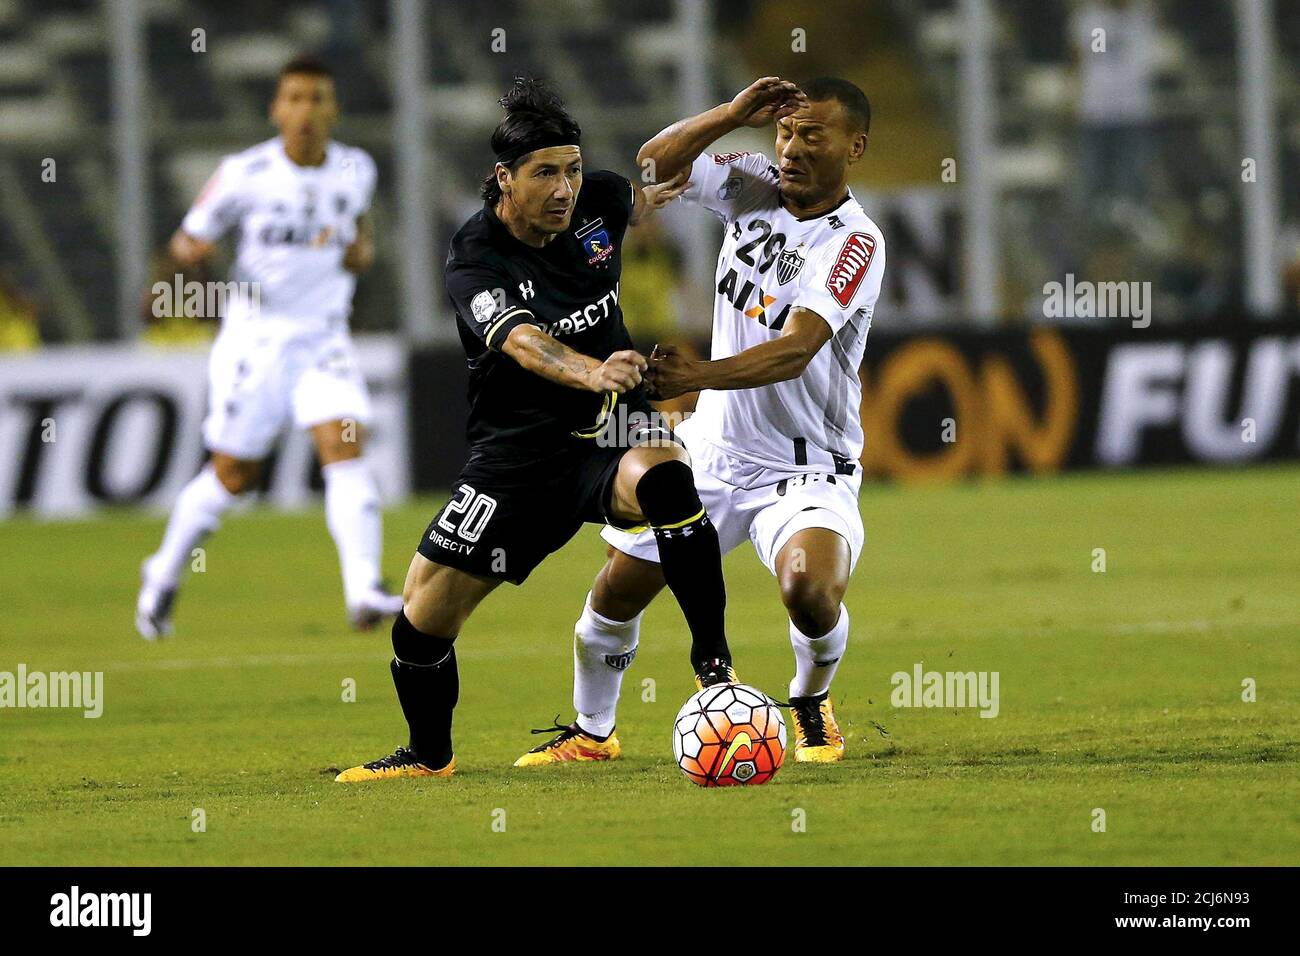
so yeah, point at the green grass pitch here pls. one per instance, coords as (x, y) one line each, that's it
(1119, 690)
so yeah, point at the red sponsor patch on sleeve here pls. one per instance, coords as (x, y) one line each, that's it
(723, 158)
(850, 266)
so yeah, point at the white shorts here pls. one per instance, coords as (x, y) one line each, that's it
(258, 384)
(745, 500)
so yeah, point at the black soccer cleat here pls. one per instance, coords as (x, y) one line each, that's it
(716, 671)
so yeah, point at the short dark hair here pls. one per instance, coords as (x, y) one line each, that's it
(856, 105)
(532, 109)
(307, 64)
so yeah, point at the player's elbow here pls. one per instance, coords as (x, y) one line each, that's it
(652, 157)
(521, 345)
(185, 250)
(646, 155)
(179, 249)
(359, 261)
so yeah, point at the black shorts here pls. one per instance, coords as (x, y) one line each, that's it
(511, 508)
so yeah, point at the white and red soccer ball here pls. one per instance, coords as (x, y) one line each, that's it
(729, 735)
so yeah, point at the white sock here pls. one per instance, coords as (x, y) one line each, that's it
(603, 650)
(353, 517)
(196, 514)
(816, 659)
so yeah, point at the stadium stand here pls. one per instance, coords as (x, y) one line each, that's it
(617, 67)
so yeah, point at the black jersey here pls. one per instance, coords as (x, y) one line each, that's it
(569, 288)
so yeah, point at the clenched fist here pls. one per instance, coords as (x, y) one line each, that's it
(621, 372)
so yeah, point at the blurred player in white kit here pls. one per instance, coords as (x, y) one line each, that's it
(299, 202)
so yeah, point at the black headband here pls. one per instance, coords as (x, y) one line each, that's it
(539, 141)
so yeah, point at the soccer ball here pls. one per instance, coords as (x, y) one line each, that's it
(729, 735)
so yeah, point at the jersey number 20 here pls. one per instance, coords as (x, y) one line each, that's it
(475, 509)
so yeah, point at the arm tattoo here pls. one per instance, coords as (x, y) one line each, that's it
(554, 354)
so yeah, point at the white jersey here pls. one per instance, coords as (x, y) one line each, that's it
(770, 263)
(295, 223)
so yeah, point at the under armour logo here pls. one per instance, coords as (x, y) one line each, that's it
(834, 221)
(526, 290)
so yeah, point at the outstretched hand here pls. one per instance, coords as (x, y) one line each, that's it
(659, 195)
(766, 100)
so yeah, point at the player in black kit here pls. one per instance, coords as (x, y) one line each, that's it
(534, 279)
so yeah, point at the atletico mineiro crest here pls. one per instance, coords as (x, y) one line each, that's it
(788, 266)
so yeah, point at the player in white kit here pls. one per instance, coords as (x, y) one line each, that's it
(776, 438)
(283, 355)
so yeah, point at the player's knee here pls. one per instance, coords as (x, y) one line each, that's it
(414, 646)
(666, 491)
(336, 449)
(813, 606)
(640, 461)
(438, 599)
(419, 580)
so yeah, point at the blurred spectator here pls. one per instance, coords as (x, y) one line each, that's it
(346, 25)
(1114, 45)
(650, 289)
(1290, 243)
(18, 330)
(653, 294)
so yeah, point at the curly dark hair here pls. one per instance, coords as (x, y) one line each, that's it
(532, 109)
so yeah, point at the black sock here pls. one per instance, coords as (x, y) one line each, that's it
(578, 724)
(689, 555)
(428, 686)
